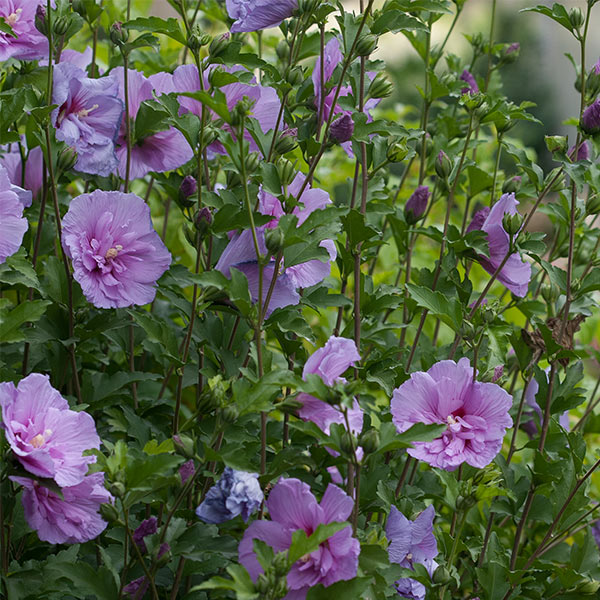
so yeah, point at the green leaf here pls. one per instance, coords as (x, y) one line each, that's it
(6, 28)
(241, 584)
(557, 13)
(390, 439)
(342, 589)
(18, 270)
(449, 310)
(168, 27)
(26, 312)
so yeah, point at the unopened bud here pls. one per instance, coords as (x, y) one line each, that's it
(512, 223)
(230, 414)
(512, 185)
(219, 45)
(441, 576)
(184, 446)
(294, 76)
(416, 205)
(498, 372)
(274, 240)
(590, 120)
(465, 502)
(280, 564)
(41, 20)
(197, 39)
(286, 171)
(263, 585)
(342, 128)
(60, 25)
(203, 221)
(209, 136)
(348, 443)
(109, 513)
(576, 18)
(117, 489)
(381, 87)
(550, 293)
(397, 151)
(471, 87)
(187, 191)
(588, 587)
(369, 441)
(252, 161)
(592, 206)
(366, 44)
(443, 165)
(118, 35)
(163, 555)
(286, 141)
(283, 50)
(512, 52)
(583, 153)
(67, 158)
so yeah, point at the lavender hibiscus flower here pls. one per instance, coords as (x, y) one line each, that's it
(117, 255)
(412, 542)
(590, 120)
(476, 414)
(146, 527)
(47, 438)
(265, 109)
(253, 15)
(12, 161)
(236, 493)
(241, 253)
(88, 117)
(472, 87)
(516, 273)
(532, 426)
(162, 151)
(72, 520)
(29, 43)
(292, 506)
(12, 223)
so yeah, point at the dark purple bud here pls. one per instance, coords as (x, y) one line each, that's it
(118, 35)
(137, 588)
(164, 555)
(183, 445)
(203, 221)
(219, 44)
(514, 47)
(416, 205)
(188, 188)
(468, 78)
(582, 154)
(498, 372)
(146, 527)
(342, 128)
(443, 165)
(186, 470)
(41, 23)
(287, 141)
(590, 121)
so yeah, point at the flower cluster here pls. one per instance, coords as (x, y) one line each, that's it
(49, 441)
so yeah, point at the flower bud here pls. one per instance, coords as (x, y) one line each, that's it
(498, 372)
(380, 87)
(286, 141)
(184, 446)
(582, 154)
(274, 240)
(592, 85)
(60, 25)
(471, 87)
(342, 128)
(441, 576)
(263, 585)
(512, 52)
(576, 18)
(209, 136)
(550, 293)
(512, 223)
(512, 185)
(590, 120)
(203, 221)
(280, 564)
(465, 502)
(219, 45)
(109, 513)
(369, 441)
(366, 44)
(348, 443)
(252, 161)
(118, 35)
(416, 205)
(443, 165)
(283, 50)
(286, 171)
(592, 206)
(197, 39)
(117, 489)
(588, 587)
(230, 414)
(397, 151)
(240, 111)
(67, 158)
(163, 555)
(187, 191)
(41, 20)
(294, 76)
(504, 124)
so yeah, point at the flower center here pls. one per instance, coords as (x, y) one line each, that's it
(40, 439)
(113, 252)
(451, 420)
(84, 112)
(12, 19)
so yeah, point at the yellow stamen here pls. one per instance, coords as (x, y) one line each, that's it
(451, 420)
(37, 441)
(113, 252)
(12, 19)
(84, 112)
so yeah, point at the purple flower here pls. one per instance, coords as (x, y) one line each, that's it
(73, 520)
(514, 47)
(476, 414)
(596, 532)
(292, 507)
(236, 493)
(410, 589)
(78, 59)
(241, 253)
(186, 470)
(12, 223)
(253, 15)
(416, 205)
(146, 527)
(117, 256)
(332, 58)
(596, 68)
(516, 273)
(29, 44)
(472, 87)
(88, 117)
(582, 154)
(10, 159)
(188, 187)
(590, 120)
(162, 151)
(47, 438)
(265, 109)
(342, 128)
(138, 587)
